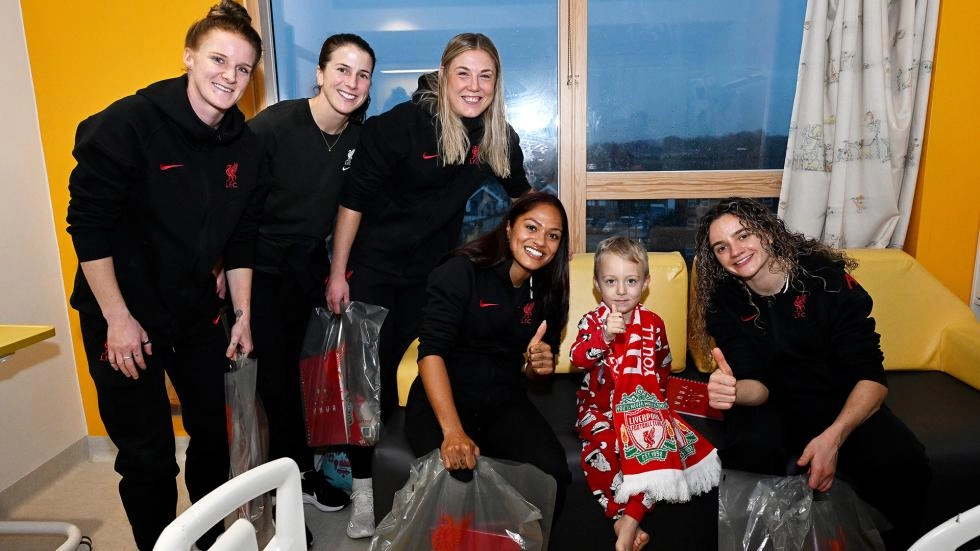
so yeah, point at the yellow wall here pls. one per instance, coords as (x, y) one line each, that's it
(84, 56)
(946, 212)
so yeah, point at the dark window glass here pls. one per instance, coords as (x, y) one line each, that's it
(662, 225)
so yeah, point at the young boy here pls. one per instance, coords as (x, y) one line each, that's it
(635, 451)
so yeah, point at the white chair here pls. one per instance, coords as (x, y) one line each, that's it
(74, 536)
(281, 475)
(952, 533)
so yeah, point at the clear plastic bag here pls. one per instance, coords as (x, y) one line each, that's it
(436, 511)
(781, 513)
(248, 429)
(340, 376)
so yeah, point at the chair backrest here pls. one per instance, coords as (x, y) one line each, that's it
(951, 534)
(667, 297)
(281, 475)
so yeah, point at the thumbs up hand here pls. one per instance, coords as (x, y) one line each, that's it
(721, 384)
(613, 325)
(540, 359)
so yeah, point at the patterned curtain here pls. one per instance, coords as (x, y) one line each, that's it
(858, 119)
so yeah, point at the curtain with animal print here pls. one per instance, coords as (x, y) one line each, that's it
(858, 118)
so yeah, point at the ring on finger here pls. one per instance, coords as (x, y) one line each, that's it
(127, 357)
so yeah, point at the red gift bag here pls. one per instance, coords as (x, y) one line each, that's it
(323, 399)
(340, 375)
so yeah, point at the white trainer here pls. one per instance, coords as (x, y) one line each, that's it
(361, 523)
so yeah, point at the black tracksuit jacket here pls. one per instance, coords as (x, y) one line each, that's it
(481, 326)
(412, 205)
(306, 178)
(809, 345)
(167, 198)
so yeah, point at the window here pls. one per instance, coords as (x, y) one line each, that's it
(408, 37)
(678, 91)
(638, 113)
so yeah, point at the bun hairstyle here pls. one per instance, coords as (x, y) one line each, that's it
(225, 16)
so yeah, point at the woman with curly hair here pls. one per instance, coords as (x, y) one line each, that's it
(800, 375)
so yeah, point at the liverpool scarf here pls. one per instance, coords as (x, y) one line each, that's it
(660, 454)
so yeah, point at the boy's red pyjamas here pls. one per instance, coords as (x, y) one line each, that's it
(665, 460)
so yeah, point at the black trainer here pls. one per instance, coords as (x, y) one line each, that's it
(320, 494)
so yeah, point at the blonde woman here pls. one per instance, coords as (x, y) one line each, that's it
(402, 208)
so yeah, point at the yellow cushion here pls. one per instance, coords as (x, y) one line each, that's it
(700, 348)
(667, 297)
(960, 352)
(911, 307)
(408, 369)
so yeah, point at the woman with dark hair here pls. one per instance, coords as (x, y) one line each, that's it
(402, 208)
(166, 187)
(493, 319)
(800, 373)
(308, 144)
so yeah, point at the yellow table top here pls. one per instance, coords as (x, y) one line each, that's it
(15, 337)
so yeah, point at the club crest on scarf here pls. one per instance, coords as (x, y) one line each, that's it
(646, 435)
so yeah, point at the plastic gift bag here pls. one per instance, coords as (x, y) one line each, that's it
(340, 376)
(436, 511)
(248, 429)
(759, 512)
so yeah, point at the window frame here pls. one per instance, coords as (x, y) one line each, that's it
(576, 184)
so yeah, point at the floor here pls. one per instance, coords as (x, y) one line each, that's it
(86, 496)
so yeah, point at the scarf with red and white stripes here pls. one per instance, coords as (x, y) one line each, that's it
(659, 453)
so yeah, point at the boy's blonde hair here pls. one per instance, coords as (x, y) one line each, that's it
(624, 247)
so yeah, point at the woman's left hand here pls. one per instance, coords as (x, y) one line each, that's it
(540, 359)
(241, 337)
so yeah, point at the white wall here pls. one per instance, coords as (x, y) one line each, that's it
(40, 402)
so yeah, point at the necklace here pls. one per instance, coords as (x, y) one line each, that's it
(783, 288)
(330, 146)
